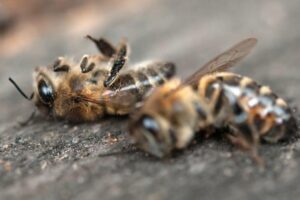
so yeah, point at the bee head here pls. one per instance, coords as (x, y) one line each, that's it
(153, 134)
(166, 120)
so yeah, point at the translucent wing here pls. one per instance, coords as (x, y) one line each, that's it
(223, 61)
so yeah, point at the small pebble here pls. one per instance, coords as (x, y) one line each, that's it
(44, 165)
(75, 140)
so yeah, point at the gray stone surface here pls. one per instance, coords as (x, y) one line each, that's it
(56, 160)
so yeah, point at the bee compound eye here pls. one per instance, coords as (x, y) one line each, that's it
(150, 124)
(45, 92)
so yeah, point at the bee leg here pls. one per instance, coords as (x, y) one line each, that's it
(103, 46)
(60, 65)
(217, 101)
(28, 120)
(118, 63)
(239, 139)
(215, 105)
(85, 66)
(255, 146)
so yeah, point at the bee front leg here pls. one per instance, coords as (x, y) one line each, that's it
(85, 65)
(61, 65)
(103, 46)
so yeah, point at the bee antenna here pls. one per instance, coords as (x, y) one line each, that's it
(20, 91)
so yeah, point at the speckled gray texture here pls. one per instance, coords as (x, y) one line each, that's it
(56, 160)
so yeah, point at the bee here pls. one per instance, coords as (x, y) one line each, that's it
(211, 99)
(95, 87)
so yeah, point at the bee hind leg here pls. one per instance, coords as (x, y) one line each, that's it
(250, 146)
(255, 147)
(118, 63)
(238, 141)
(103, 46)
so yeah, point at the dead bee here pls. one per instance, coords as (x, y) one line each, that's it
(88, 90)
(211, 98)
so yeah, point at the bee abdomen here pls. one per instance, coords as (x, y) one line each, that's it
(140, 81)
(248, 104)
(125, 83)
(131, 86)
(268, 113)
(153, 75)
(158, 73)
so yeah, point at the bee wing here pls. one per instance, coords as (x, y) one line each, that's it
(223, 61)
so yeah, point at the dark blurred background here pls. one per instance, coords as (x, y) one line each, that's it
(188, 33)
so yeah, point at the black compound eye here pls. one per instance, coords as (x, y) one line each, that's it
(150, 124)
(45, 92)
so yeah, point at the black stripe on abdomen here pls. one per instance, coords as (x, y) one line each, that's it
(167, 70)
(125, 83)
(142, 82)
(154, 75)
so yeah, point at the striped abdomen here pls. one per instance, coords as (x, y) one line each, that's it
(247, 107)
(132, 85)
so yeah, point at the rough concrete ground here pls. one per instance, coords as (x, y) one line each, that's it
(57, 160)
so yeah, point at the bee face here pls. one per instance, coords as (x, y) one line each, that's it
(163, 122)
(149, 127)
(152, 134)
(56, 94)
